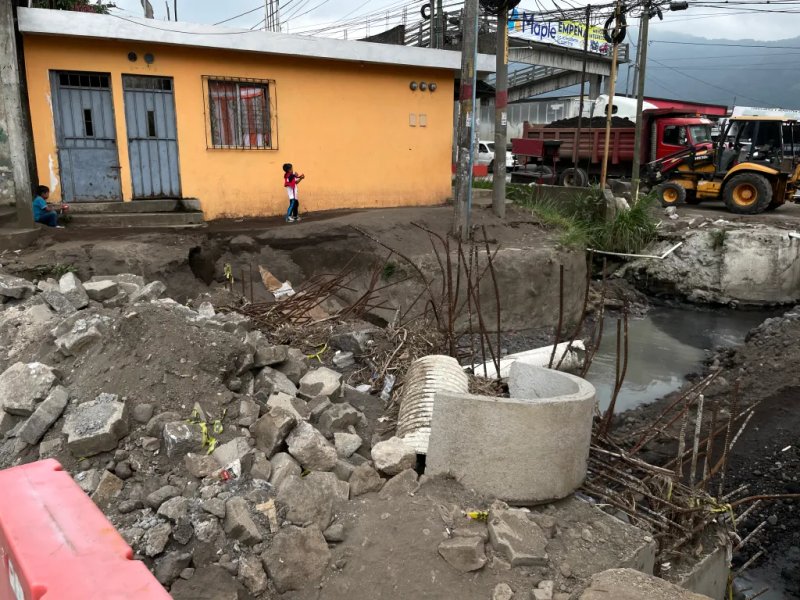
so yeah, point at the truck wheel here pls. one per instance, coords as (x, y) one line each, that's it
(691, 197)
(670, 193)
(574, 177)
(747, 194)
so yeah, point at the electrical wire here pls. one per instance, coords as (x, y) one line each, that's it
(240, 15)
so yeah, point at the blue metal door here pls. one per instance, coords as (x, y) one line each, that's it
(152, 136)
(86, 137)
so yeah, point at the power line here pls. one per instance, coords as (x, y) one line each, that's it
(240, 15)
(140, 24)
(720, 44)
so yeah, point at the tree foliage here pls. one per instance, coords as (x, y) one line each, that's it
(100, 6)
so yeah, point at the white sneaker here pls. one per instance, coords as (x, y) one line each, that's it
(60, 227)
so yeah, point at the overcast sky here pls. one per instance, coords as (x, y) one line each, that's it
(309, 14)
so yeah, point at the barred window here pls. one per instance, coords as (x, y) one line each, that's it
(240, 114)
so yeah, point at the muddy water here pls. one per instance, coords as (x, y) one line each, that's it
(663, 347)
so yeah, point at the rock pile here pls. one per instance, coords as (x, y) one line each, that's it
(222, 459)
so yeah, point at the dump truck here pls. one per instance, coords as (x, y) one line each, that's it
(753, 166)
(664, 132)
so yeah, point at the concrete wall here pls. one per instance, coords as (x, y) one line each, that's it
(344, 124)
(527, 449)
(751, 265)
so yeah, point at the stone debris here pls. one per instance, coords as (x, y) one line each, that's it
(291, 404)
(207, 582)
(252, 574)
(320, 382)
(310, 448)
(338, 418)
(170, 566)
(543, 591)
(96, 426)
(464, 553)
(22, 386)
(238, 522)
(295, 366)
(283, 467)
(334, 534)
(101, 290)
(306, 501)
(364, 479)
(270, 381)
(346, 444)
(59, 303)
(83, 333)
(149, 293)
(502, 591)
(270, 431)
(519, 540)
(42, 419)
(393, 456)
(403, 484)
(72, 288)
(107, 489)
(181, 438)
(15, 287)
(297, 558)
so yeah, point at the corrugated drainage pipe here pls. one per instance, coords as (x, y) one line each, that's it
(425, 378)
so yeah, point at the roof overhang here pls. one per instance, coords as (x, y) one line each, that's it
(40, 21)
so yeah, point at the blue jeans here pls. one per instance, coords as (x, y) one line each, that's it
(48, 218)
(293, 206)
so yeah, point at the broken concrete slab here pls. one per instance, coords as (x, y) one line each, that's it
(295, 365)
(161, 495)
(321, 381)
(15, 287)
(307, 501)
(252, 574)
(59, 303)
(96, 426)
(83, 334)
(72, 288)
(310, 448)
(403, 484)
(297, 558)
(393, 456)
(283, 467)
(346, 444)
(150, 292)
(200, 465)
(239, 524)
(338, 418)
(502, 591)
(175, 509)
(23, 385)
(464, 553)
(207, 582)
(101, 290)
(294, 406)
(270, 431)
(519, 540)
(628, 584)
(169, 568)
(267, 355)
(181, 438)
(364, 479)
(262, 468)
(270, 380)
(42, 419)
(107, 489)
(231, 451)
(156, 539)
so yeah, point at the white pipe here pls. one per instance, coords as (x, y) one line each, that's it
(794, 234)
(662, 257)
(539, 357)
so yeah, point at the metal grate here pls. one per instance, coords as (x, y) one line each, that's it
(136, 82)
(241, 112)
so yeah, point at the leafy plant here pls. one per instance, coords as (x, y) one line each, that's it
(481, 183)
(56, 271)
(718, 237)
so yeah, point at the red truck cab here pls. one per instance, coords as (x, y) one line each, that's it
(670, 134)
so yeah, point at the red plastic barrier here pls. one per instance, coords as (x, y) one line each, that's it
(55, 544)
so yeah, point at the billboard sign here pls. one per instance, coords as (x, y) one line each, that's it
(567, 34)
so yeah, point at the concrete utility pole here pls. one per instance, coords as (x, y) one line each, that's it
(15, 144)
(640, 70)
(462, 218)
(500, 116)
(441, 25)
(612, 86)
(175, 9)
(587, 26)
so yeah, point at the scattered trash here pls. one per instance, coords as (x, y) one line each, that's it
(388, 385)
(343, 359)
(478, 515)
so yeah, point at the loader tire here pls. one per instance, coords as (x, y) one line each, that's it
(670, 193)
(574, 177)
(747, 194)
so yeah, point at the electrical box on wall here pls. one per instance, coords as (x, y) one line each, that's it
(412, 119)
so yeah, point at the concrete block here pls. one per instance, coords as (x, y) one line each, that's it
(59, 302)
(96, 426)
(152, 291)
(709, 576)
(627, 584)
(44, 416)
(181, 438)
(320, 382)
(23, 385)
(15, 287)
(72, 288)
(101, 290)
(524, 450)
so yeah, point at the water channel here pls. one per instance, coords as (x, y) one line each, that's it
(663, 347)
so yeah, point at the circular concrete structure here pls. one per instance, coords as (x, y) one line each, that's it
(527, 449)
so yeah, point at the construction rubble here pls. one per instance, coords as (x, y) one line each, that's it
(237, 467)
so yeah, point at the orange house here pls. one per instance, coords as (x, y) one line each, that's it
(126, 109)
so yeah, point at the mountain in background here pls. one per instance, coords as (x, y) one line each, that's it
(715, 71)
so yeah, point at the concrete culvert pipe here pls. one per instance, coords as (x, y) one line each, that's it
(527, 449)
(425, 378)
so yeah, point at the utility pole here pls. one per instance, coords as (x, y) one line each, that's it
(587, 26)
(500, 116)
(175, 8)
(644, 25)
(15, 145)
(612, 86)
(462, 218)
(441, 22)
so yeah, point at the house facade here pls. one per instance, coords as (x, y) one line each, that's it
(127, 109)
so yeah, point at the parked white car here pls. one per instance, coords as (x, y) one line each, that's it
(486, 156)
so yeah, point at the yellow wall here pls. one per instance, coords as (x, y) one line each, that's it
(345, 125)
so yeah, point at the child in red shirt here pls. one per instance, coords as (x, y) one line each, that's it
(290, 181)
